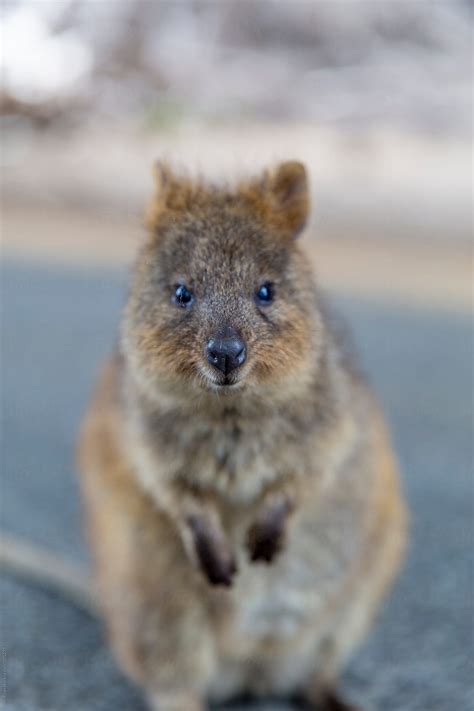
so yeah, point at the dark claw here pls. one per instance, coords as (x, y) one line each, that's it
(220, 572)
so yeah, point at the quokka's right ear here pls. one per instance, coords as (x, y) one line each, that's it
(173, 192)
(287, 191)
(281, 197)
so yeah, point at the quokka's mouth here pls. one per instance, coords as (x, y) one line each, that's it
(225, 384)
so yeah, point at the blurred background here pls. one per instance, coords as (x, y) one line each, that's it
(376, 98)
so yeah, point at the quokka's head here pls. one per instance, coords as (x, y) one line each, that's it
(222, 299)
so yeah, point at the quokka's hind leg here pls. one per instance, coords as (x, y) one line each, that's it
(361, 604)
(153, 600)
(153, 605)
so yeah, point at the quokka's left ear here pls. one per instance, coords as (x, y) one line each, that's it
(287, 194)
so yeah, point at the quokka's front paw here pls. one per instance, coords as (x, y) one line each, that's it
(264, 542)
(213, 552)
(266, 537)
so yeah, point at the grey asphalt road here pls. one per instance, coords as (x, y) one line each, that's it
(57, 325)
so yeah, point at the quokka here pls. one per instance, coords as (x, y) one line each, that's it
(242, 498)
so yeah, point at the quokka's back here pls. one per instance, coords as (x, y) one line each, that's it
(241, 495)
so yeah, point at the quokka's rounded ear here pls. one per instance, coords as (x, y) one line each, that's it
(288, 193)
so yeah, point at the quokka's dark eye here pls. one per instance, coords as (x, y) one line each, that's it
(265, 294)
(182, 296)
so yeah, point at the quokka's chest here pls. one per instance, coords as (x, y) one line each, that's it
(237, 459)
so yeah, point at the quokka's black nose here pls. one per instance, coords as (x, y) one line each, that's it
(226, 350)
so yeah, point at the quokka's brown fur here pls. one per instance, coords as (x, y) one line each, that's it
(245, 525)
